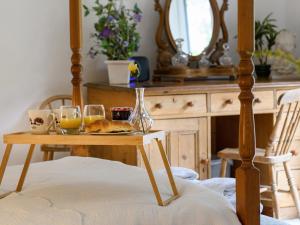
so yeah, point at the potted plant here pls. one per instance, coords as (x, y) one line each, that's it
(286, 56)
(265, 35)
(116, 37)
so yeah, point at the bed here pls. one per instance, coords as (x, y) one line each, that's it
(247, 185)
(89, 191)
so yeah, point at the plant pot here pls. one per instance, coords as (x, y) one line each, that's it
(118, 72)
(263, 71)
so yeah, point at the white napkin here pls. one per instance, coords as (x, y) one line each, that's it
(182, 172)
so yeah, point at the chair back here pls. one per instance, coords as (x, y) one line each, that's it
(56, 101)
(286, 124)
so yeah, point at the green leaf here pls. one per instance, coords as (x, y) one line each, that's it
(124, 39)
(265, 36)
(86, 10)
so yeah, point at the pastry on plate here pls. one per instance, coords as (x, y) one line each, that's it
(106, 126)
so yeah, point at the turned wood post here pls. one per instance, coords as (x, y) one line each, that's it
(76, 68)
(248, 196)
(76, 44)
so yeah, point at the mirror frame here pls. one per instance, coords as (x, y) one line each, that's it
(215, 33)
(166, 47)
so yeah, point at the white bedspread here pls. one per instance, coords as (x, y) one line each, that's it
(89, 191)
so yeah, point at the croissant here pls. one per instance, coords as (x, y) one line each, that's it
(106, 126)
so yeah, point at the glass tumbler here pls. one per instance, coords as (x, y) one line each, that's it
(70, 119)
(92, 113)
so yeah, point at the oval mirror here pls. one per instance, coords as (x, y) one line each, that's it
(194, 21)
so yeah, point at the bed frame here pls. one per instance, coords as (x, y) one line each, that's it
(248, 196)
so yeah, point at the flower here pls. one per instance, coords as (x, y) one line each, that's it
(125, 43)
(133, 68)
(106, 32)
(137, 17)
(110, 18)
(116, 34)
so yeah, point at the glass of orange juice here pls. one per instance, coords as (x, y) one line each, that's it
(93, 113)
(70, 119)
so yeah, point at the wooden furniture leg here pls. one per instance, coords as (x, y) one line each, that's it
(25, 168)
(167, 166)
(274, 190)
(150, 174)
(153, 182)
(293, 186)
(223, 168)
(4, 161)
(45, 156)
(50, 155)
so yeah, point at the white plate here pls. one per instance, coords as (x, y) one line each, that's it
(116, 133)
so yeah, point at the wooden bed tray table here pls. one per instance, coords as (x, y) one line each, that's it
(138, 140)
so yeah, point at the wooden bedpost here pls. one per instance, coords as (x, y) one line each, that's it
(76, 68)
(76, 43)
(248, 196)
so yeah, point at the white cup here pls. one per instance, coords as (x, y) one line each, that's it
(40, 120)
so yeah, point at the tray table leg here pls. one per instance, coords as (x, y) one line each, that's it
(5, 160)
(25, 168)
(150, 174)
(167, 166)
(152, 178)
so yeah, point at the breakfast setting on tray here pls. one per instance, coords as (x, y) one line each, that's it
(69, 120)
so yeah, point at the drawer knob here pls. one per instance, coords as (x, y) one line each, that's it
(204, 161)
(294, 152)
(184, 157)
(257, 101)
(228, 102)
(190, 104)
(158, 106)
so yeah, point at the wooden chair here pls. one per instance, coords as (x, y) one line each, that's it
(52, 103)
(278, 149)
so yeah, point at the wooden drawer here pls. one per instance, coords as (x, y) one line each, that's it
(183, 105)
(229, 102)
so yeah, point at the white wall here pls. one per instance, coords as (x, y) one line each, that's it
(262, 9)
(34, 59)
(292, 20)
(34, 52)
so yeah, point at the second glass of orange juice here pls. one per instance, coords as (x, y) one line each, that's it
(93, 113)
(70, 119)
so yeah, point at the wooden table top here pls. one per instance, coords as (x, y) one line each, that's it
(156, 88)
(83, 139)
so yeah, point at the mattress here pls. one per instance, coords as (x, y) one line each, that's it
(90, 191)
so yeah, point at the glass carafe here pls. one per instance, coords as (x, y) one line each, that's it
(140, 118)
(180, 58)
(226, 59)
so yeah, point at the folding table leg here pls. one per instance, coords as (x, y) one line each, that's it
(150, 174)
(152, 178)
(25, 168)
(4, 161)
(167, 166)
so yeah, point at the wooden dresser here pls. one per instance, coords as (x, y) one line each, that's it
(201, 118)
